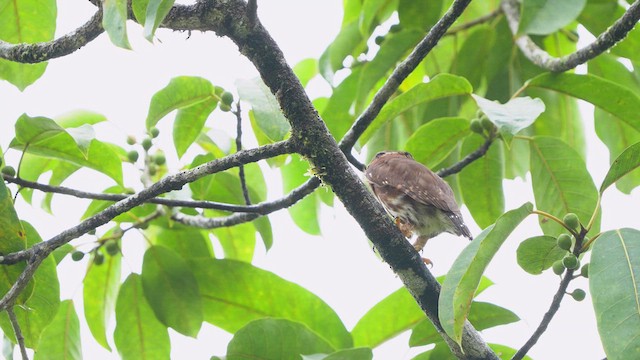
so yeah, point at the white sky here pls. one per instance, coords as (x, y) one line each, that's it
(340, 266)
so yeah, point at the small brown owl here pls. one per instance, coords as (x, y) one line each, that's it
(419, 200)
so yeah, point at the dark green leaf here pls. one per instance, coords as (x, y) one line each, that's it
(462, 280)
(156, 12)
(542, 17)
(262, 294)
(114, 21)
(189, 243)
(471, 60)
(266, 109)
(538, 253)
(138, 334)
(614, 280)
(419, 15)
(561, 183)
(26, 22)
(61, 339)
(628, 161)
(441, 86)
(172, 291)
(275, 339)
(443, 134)
(305, 212)
(481, 182)
(100, 290)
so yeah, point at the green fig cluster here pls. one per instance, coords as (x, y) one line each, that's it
(571, 221)
(570, 261)
(558, 267)
(565, 242)
(146, 144)
(482, 125)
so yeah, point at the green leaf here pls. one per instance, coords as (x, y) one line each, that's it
(361, 353)
(482, 315)
(628, 161)
(100, 290)
(441, 86)
(462, 280)
(538, 253)
(481, 182)
(348, 39)
(471, 59)
(419, 15)
(26, 21)
(38, 311)
(614, 280)
(543, 17)
(114, 21)
(607, 95)
(60, 253)
(189, 123)
(189, 243)
(266, 109)
(32, 130)
(444, 134)
(138, 333)
(238, 241)
(305, 212)
(221, 296)
(512, 116)
(77, 118)
(172, 291)
(306, 70)
(275, 339)
(156, 12)
(12, 239)
(180, 93)
(561, 183)
(61, 339)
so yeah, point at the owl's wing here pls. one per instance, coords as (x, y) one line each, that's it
(413, 179)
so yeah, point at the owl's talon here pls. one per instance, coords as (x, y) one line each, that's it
(427, 262)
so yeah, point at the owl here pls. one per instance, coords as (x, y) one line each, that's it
(419, 200)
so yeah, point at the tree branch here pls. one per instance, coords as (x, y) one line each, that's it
(16, 330)
(457, 167)
(400, 74)
(212, 223)
(541, 58)
(65, 45)
(481, 20)
(243, 181)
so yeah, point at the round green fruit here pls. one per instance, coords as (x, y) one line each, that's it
(218, 90)
(159, 159)
(146, 143)
(476, 126)
(77, 255)
(379, 40)
(571, 220)
(558, 267)
(487, 124)
(112, 247)
(152, 170)
(571, 262)
(227, 98)
(225, 108)
(9, 171)
(564, 242)
(154, 132)
(131, 140)
(133, 156)
(578, 294)
(584, 271)
(98, 258)
(395, 28)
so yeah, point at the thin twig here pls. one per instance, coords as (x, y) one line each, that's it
(18, 332)
(481, 20)
(62, 46)
(457, 167)
(243, 181)
(603, 42)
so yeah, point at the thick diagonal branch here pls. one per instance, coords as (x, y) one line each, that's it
(541, 58)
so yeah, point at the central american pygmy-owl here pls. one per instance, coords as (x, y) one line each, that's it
(419, 200)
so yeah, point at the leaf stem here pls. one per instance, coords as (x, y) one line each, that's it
(595, 213)
(551, 217)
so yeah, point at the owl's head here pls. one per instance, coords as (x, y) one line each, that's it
(390, 154)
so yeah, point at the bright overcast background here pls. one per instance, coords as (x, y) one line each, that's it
(340, 266)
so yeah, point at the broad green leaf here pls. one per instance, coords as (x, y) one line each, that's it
(180, 93)
(512, 116)
(138, 333)
(361, 353)
(266, 109)
(348, 39)
(131, 216)
(337, 113)
(32, 130)
(607, 95)
(77, 118)
(516, 159)
(538, 253)
(39, 310)
(61, 339)
(33, 166)
(238, 241)
(263, 226)
(262, 294)
(275, 339)
(462, 280)
(171, 290)
(391, 51)
(481, 182)
(614, 283)
(369, 16)
(100, 290)
(628, 161)
(306, 70)
(139, 8)
(12, 239)
(114, 21)
(156, 12)
(482, 315)
(189, 123)
(305, 212)
(189, 243)
(393, 315)
(441, 86)
(25, 21)
(419, 15)
(561, 183)
(444, 134)
(472, 58)
(543, 17)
